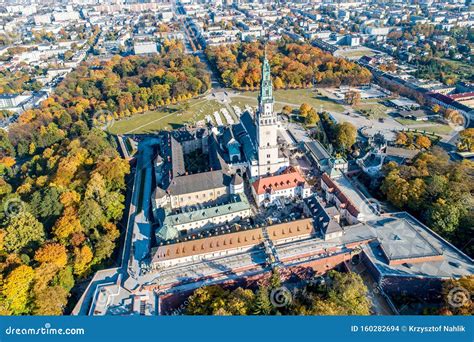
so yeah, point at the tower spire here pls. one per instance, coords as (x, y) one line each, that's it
(266, 87)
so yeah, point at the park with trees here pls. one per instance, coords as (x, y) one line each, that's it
(438, 191)
(337, 293)
(62, 184)
(124, 86)
(293, 65)
(340, 136)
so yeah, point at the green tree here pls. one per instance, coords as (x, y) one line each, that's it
(346, 135)
(305, 109)
(275, 279)
(17, 289)
(46, 204)
(262, 306)
(444, 216)
(322, 307)
(113, 202)
(103, 249)
(22, 231)
(65, 278)
(50, 301)
(91, 214)
(6, 147)
(347, 290)
(207, 300)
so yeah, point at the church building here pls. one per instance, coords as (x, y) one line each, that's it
(254, 146)
(270, 159)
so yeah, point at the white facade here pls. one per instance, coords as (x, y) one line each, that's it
(42, 19)
(270, 198)
(269, 159)
(66, 16)
(11, 101)
(211, 221)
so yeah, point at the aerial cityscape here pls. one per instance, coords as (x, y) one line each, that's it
(236, 157)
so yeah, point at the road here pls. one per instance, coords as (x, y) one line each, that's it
(141, 218)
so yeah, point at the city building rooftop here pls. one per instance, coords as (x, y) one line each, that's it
(406, 247)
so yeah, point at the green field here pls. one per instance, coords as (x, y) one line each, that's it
(375, 109)
(172, 117)
(241, 102)
(355, 53)
(464, 71)
(195, 110)
(438, 129)
(295, 97)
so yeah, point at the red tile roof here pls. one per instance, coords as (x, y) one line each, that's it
(345, 201)
(291, 178)
(461, 96)
(239, 239)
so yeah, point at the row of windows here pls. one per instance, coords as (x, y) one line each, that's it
(202, 196)
(220, 219)
(267, 121)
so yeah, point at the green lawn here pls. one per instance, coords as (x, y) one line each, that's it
(295, 97)
(241, 102)
(355, 53)
(374, 108)
(434, 127)
(438, 129)
(170, 118)
(463, 70)
(195, 110)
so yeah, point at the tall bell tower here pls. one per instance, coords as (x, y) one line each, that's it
(267, 125)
